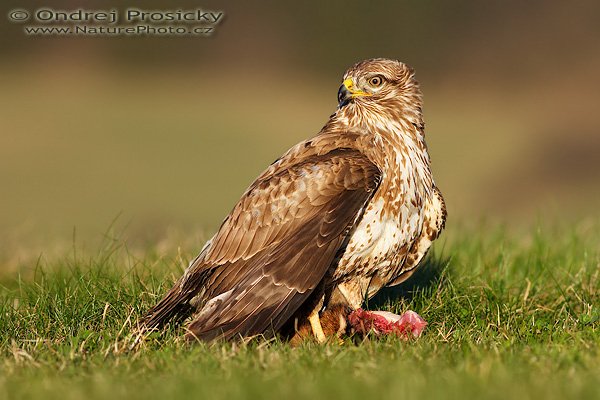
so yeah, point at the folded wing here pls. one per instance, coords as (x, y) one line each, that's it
(274, 248)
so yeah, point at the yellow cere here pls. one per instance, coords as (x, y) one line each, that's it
(355, 93)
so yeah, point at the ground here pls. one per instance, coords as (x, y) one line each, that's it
(511, 315)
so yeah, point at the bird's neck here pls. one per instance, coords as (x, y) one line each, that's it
(398, 123)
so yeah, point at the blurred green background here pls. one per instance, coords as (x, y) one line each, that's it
(164, 134)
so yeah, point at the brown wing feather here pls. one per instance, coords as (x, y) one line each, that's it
(282, 276)
(275, 246)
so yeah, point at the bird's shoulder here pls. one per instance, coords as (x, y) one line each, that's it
(325, 145)
(296, 188)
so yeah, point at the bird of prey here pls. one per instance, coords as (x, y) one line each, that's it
(324, 227)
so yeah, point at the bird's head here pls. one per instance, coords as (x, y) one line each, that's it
(379, 82)
(380, 95)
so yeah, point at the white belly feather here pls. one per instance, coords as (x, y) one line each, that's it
(376, 240)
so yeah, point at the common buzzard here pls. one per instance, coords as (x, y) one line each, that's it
(335, 219)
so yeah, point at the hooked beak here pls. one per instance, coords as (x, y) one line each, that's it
(347, 93)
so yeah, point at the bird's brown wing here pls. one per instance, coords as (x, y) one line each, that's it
(275, 247)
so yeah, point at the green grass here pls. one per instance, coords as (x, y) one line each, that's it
(510, 316)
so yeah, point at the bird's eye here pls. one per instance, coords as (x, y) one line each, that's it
(376, 81)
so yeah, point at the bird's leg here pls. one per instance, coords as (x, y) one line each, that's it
(315, 324)
(332, 320)
(352, 292)
(315, 320)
